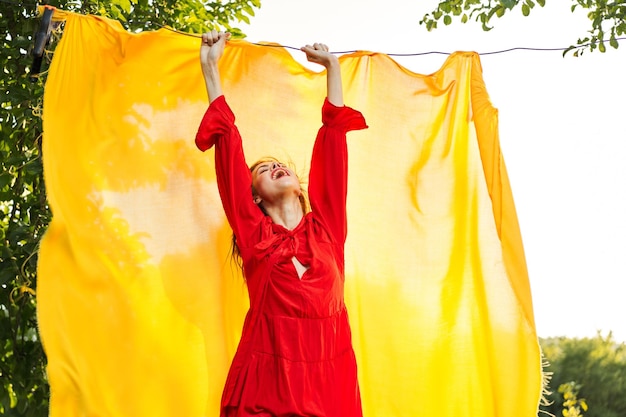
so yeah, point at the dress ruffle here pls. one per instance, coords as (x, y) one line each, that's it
(217, 121)
(344, 117)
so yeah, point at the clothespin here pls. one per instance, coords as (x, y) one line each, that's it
(42, 39)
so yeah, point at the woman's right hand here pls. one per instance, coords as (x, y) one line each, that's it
(212, 47)
(319, 54)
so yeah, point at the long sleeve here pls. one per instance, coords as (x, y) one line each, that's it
(234, 180)
(328, 178)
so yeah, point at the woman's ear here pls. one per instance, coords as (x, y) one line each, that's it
(257, 200)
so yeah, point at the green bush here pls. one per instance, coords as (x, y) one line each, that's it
(593, 369)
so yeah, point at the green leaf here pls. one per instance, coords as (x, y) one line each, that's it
(464, 18)
(5, 179)
(525, 9)
(248, 9)
(509, 4)
(124, 5)
(7, 274)
(447, 20)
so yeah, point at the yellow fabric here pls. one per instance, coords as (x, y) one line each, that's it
(140, 307)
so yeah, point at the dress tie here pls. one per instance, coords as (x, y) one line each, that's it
(284, 243)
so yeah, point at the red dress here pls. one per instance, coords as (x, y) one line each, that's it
(295, 357)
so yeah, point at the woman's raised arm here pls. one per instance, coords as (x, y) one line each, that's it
(210, 53)
(318, 53)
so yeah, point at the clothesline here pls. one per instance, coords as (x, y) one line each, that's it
(517, 48)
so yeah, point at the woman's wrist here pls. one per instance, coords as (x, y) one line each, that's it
(332, 62)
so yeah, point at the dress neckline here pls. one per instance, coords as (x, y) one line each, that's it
(277, 228)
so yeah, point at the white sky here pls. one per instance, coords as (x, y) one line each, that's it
(562, 132)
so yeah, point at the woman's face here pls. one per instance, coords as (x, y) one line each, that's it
(272, 180)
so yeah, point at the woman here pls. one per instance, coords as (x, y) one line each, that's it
(295, 357)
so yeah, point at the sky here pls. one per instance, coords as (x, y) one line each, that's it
(562, 133)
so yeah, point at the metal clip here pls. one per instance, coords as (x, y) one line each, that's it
(42, 39)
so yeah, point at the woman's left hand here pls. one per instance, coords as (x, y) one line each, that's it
(319, 54)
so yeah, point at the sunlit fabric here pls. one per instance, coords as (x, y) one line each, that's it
(140, 304)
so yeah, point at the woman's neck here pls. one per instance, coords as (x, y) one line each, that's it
(288, 214)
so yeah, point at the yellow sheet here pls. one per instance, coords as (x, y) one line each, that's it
(140, 307)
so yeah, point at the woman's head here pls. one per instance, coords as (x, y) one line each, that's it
(274, 181)
(264, 171)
